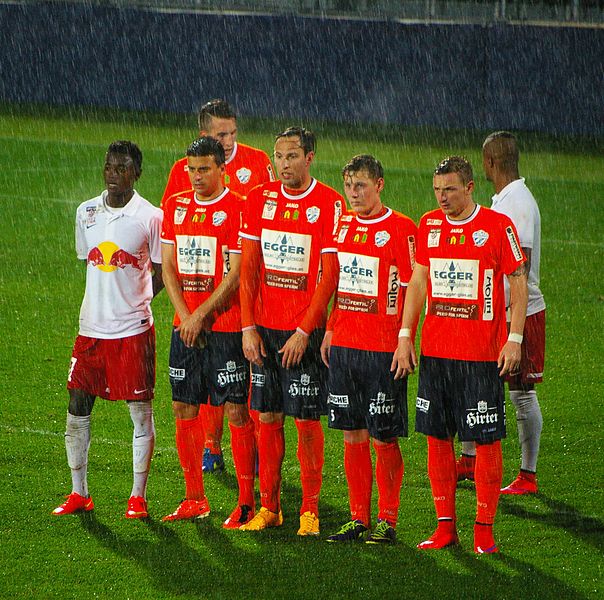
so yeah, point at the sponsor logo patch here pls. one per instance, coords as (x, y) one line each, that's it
(177, 374)
(422, 404)
(338, 400)
(433, 238)
(269, 210)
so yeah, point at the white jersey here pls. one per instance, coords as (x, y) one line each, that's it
(119, 245)
(516, 201)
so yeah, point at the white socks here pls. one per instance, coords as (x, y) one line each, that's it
(77, 442)
(143, 441)
(530, 423)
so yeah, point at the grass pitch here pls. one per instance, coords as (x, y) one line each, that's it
(551, 544)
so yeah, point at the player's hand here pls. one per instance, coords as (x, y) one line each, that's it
(191, 327)
(293, 350)
(509, 358)
(326, 347)
(404, 359)
(253, 347)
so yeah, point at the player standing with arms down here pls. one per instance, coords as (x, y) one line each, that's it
(288, 275)
(463, 252)
(376, 252)
(245, 168)
(512, 198)
(118, 235)
(201, 254)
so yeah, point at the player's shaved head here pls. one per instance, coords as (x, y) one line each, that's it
(308, 141)
(501, 147)
(364, 162)
(456, 164)
(126, 148)
(217, 108)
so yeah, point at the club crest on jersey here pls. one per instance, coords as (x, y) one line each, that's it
(433, 238)
(480, 237)
(179, 214)
(381, 238)
(218, 218)
(243, 175)
(269, 210)
(312, 214)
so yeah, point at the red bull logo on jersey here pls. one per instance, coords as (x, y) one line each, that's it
(109, 257)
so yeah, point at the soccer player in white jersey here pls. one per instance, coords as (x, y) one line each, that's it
(118, 235)
(513, 198)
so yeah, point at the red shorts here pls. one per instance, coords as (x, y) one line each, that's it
(533, 351)
(120, 369)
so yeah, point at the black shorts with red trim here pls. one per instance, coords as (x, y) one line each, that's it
(363, 394)
(300, 391)
(219, 370)
(460, 397)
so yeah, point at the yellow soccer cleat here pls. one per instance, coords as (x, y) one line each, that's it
(309, 524)
(263, 520)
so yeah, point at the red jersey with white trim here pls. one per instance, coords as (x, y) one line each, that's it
(376, 258)
(246, 168)
(467, 261)
(293, 231)
(204, 234)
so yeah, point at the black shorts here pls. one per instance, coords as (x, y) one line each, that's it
(300, 391)
(363, 393)
(463, 397)
(219, 371)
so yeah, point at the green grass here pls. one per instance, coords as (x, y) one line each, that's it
(552, 544)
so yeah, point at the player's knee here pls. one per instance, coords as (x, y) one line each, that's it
(269, 418)
(141, 414)
(183, 410)
(237, 414)
(80, 403)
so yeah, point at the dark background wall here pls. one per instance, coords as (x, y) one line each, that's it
(547, 79)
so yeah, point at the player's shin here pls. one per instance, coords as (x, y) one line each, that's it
(143, 442)
(77, 442)
(389, 470)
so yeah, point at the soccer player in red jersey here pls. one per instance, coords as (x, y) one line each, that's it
(288, 275)
(118, 235)
(201, 254)
(376, 252)
(513, 198)
(245, 168)
(463, 253)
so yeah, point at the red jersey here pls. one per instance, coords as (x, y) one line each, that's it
(293, 232)
(376, 258)
(467, 261)
(204, 234)
(246, 168)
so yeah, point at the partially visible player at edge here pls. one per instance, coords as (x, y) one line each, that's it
(376, 252)
(463, 253)
(118, 235)
(245, 168)
(288, 275)
(514, 199)
(201, 255)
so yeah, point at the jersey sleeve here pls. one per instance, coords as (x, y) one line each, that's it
(408, 237)
(80, 236)
(178, 180)
(421, 257)
(250, 222)
(155, 231)
(332, 224)
(234, 239)
(511, 252)
(167, 232)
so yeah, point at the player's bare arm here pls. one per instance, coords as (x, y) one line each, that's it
(509, 357)
(326, 347)
(253, 347)
(157, 279)
(172, 282)
(251, 259)
(404, 359)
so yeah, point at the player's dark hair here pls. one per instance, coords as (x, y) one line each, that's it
(364, 162)
(308, 141)
(502, 147)
(207, 146)
(456, 164)
(217, 108)
(126, 148)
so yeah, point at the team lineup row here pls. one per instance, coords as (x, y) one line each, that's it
(251, 265)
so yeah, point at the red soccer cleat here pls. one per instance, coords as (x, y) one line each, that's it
(240, 516)
(190, 510)
(484, 542)
(444, 536)
(74, 503)
(465, 467)
(137, 508)
(525, 483)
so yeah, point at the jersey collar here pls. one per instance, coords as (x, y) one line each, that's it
(210, 202)
(296, 197)
(231, 158)
(508, 189)
(379, 219)
(467, 219)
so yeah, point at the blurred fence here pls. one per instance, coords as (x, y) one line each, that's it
(476, 76)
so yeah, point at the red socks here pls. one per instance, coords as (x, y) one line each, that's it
(212, 419)
(443, 476)
(189, 444)
(243, 446)
(389, 469)
(310, 454)
(271, 450)
(359, 475)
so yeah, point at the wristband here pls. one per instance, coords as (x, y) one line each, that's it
(515, 337)
(405, 332)
(248, 328)
(302, 331)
